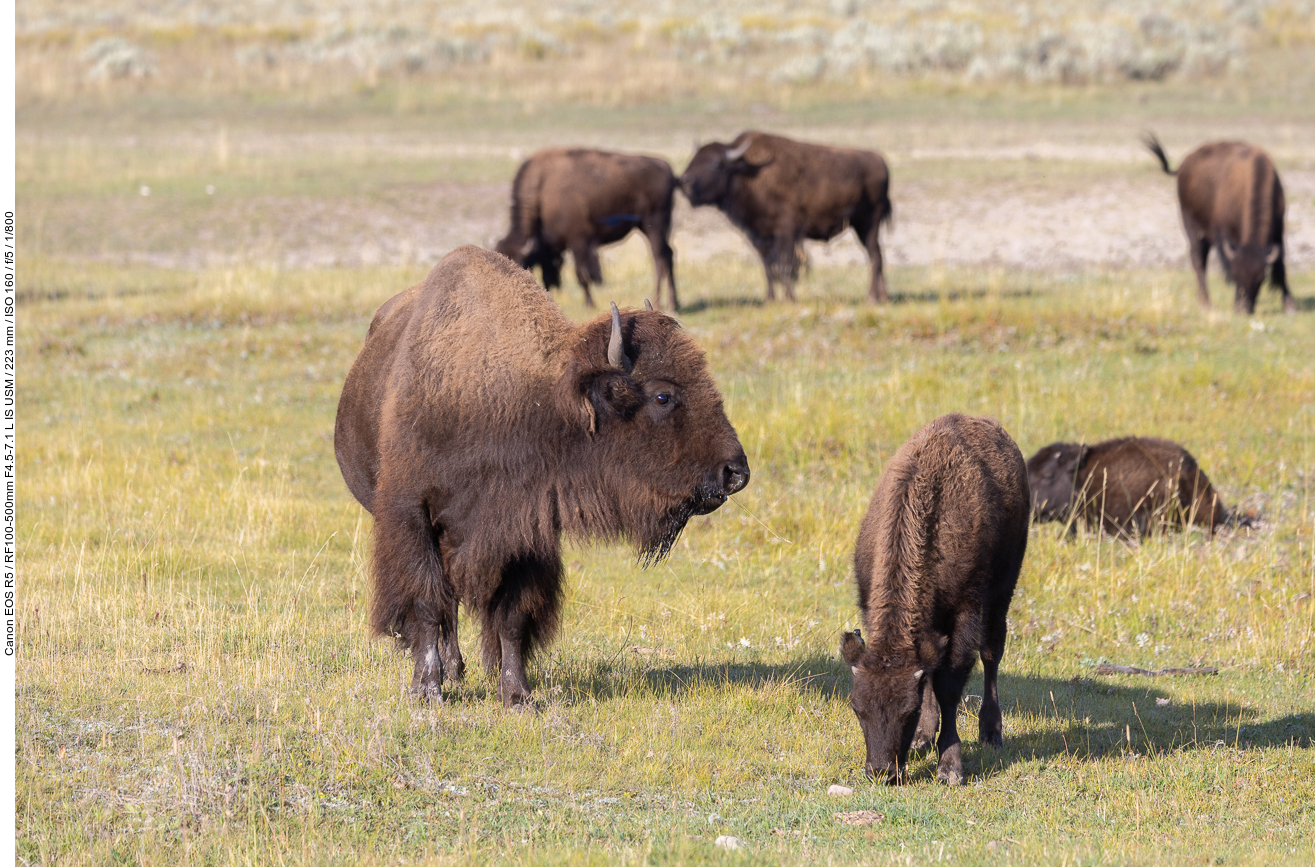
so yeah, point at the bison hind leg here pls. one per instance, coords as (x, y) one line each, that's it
(522, 615)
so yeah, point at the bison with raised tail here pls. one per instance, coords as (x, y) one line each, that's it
(780, 192)
(579, 200)
(1126, 487)
(936, 562)
(479, 424)
(1230, 197)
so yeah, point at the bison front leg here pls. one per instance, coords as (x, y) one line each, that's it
(929, 719)
(948, 684)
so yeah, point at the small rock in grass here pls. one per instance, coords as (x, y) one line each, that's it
(838, 791)
(1162, 702)
(725, 842)
(861, 817)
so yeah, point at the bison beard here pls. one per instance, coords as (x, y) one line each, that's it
(479, 425)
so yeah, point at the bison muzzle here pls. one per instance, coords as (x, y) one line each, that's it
(479, 425)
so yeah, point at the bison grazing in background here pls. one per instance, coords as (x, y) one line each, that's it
(937, 559)
(779, 192)
(1127, 486)
(1231, 199)
(479, 424)
(578, 200)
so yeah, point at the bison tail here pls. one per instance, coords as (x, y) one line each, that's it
(524, 207)
(1153, 145)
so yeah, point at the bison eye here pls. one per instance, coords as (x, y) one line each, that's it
(662, 398)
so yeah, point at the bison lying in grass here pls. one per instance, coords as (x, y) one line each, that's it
(1127, 487)
(479, 424)
(936, 562)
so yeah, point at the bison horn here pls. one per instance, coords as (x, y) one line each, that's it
(1274, 252)
(1226, 248)
(733, 155)
(648, 305)
(616, 355)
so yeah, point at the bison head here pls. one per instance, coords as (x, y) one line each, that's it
(887, 697)
(1246, 265)
(656, 431)
(1052, 474)
(707, 180)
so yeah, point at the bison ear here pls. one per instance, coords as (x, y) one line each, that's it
(852, 647)
(615, 395)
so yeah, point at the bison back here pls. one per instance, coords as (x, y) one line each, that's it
(946, 525)
(471, 341)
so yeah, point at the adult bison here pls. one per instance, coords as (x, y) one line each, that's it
(579, 200)
(478, 425)
(1125, 486)
(779, 192)
(1230, 198)
(936, 562)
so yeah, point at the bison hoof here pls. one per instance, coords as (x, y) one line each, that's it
(431, 693)
(992, 739)
(920, 742)
(950, 776)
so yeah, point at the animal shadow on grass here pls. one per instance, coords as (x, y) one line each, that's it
(702, 304)
(1097, 717)
(601, 680)
(957, 294)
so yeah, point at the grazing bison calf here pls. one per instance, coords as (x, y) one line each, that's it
(479, 424)
(779, 192)
(1230, 197)
(1125, 486)
(936, 562)
(579, 200)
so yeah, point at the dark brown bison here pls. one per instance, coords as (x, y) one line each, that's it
(1231, 199)
(779, 192)
(478, 425)
(579, 200)
(1127, 486)
(937, 559)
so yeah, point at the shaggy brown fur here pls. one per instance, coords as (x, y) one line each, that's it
(579, 200)
(936, 562)
(1127, 487)
(1230, 197)
(479, 424)
(779, 192)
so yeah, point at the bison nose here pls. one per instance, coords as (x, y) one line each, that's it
(734, 475)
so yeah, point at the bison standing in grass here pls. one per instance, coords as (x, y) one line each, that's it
(1126, 487)
(779, 192)
(579, 200)
(479, 424)
(1231, 199)
(936, 562)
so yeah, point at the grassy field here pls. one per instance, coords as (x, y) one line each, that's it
(196, 682)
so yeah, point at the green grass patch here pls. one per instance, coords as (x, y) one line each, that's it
(196, 681)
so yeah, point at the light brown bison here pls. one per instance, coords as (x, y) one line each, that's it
(1127, 487)
(1231, 199)
(780, 192)
(936, 562)
(478, 425)
(579, 200)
